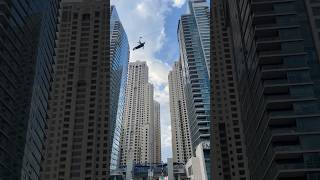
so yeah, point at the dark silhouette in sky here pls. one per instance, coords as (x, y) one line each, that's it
(141, 45)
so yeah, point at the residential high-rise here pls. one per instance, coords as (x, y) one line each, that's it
(229, 159)
(27, 40)
(119, 58)
(147, 124)
(79, 125)
(157, 133)
(137, 137)
(195, 71)
(278, 76)
(180, 131)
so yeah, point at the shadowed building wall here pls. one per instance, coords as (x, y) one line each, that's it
(79, 125)
(277, 68)
(229, 153)
(27, 41)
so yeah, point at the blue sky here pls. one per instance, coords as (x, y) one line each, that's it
(156, 21)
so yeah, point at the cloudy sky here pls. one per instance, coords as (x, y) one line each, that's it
(156, 21)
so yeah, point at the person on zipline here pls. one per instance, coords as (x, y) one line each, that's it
(141, 45)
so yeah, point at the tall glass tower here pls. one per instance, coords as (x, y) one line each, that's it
(27, 41)
(119, 54)
(193, 36)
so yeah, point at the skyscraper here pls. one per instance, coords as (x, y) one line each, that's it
(195, 70)
(199, 9)
(137, 138)
(228, 152)
(181, 140)
(79, 136)
(277, 65)
(27, 40)
(157, 133)
(119, 56)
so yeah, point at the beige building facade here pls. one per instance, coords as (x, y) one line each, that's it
(137, 138)
(181, 141)
(157, 133)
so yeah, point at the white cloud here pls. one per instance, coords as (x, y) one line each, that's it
(146, 18)
(178, 3)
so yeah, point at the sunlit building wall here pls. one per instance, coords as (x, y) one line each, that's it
(180, 131)
(137, 137)
(157, 133)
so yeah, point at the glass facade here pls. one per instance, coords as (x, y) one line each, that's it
(278, 76)
(193, 35)
(119, 55)
(27, 40)
(201, 15)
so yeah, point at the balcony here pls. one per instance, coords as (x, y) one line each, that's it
(280, 101)
(275, 86)
(285, 132)
(287, 117)
(288, 149)
(276, 72)
(272, 43)
(282, 131)
(281, 83)
(275, 57)
(287, 161)
(271, 13)
(264, 28)
(297, 169)
(256, 3)
(292, 170)
(270, 29)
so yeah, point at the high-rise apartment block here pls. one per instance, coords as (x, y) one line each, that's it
(119, 58)
(79, 137)
(228, 152)
(180, 131)
(276, 60)
(193, 36)
(27, 40)
(137, 138)
(157, 133)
